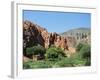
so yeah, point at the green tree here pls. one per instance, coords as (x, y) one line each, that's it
(29, 51)
(85, 51)
(39, 50)
(79, 46)
(54, 53)
(85, 54)
(35, 50)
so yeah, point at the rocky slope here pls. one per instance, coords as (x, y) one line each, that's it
(78, 35)
(34, 34)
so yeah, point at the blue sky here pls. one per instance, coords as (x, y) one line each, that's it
(58, 21)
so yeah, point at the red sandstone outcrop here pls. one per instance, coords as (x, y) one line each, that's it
(34, 34)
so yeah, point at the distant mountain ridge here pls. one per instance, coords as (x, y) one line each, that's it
(80, 30)
(78, 35)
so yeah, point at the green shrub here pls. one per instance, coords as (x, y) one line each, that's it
(27, 65)
(39, 50)
(37, 64)
(41, 64)
(88, 62)
(29, 51)
(84, 54)
(65, 62)
(54, 53)
(78, 62)
(36, 50)
(79, 46)
(85, 51)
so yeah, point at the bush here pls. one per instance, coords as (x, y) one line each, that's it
(88, 62)
(78, 62)
(29, 51)
(79, 46)
(35, 50)
(54, 53)
(65, 62)
(70, 62)
(41, 64)
(27, 65)
(85, 52)
(37, 64)
(39, 50)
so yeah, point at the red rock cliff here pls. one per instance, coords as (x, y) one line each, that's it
(34, 34)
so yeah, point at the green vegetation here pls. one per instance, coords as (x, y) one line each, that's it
(84, 53)
(36, 64)
(79, 46)
(29, 51)
(39, 50)
(55, 57)
(36, 50)
(54, 53)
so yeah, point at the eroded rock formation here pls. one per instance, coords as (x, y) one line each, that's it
(34, 34)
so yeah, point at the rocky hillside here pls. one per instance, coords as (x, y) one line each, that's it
(34, 34)
(78, 35)
(77, 32)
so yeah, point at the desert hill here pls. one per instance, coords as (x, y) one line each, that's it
(78, 35)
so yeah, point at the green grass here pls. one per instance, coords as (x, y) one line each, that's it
(64, 62)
